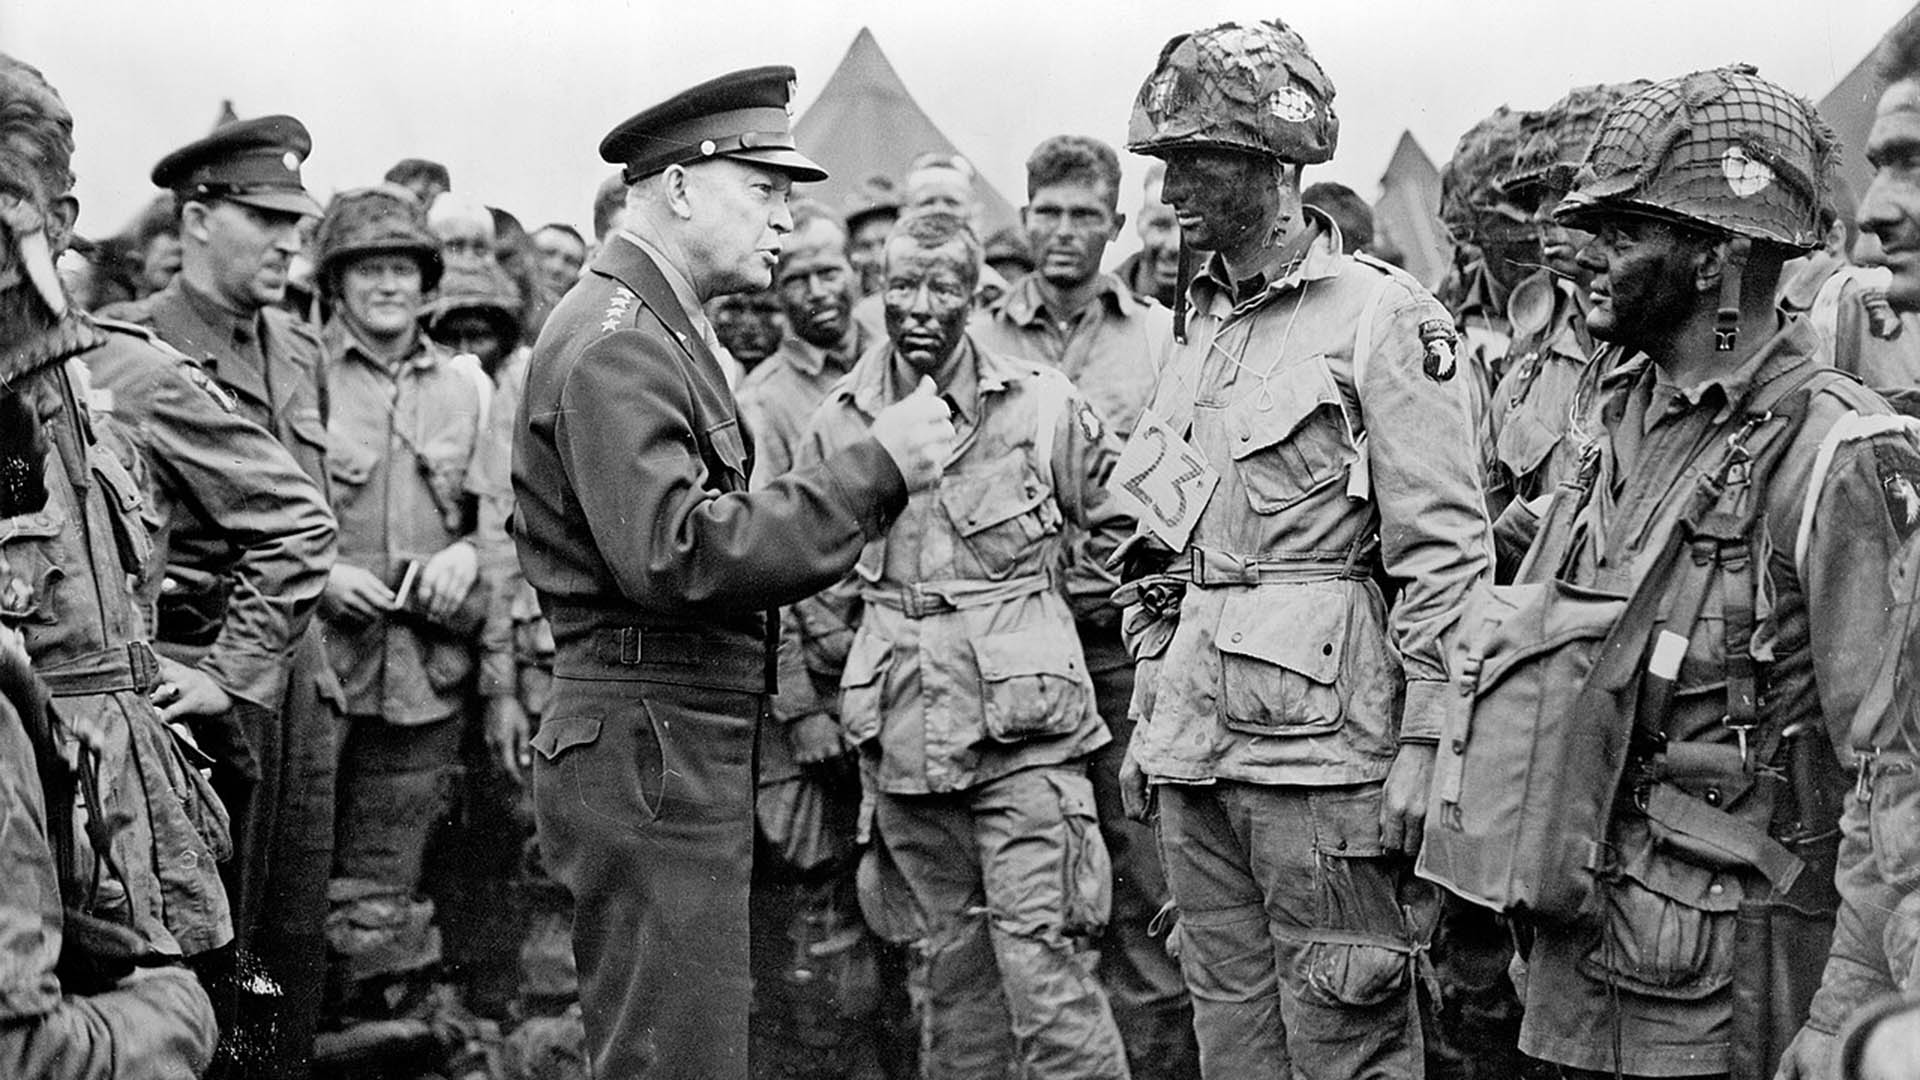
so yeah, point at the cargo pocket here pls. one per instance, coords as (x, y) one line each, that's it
(1894, 822)
(28, 574)
(1000, 510)
(1667, 928)
(1279, 661)
(863, 686)
(1290, 439)
(1032, 683)
(1356, 895)
(1086, 867)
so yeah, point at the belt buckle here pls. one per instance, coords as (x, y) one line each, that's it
(144, 666)
(918, 603)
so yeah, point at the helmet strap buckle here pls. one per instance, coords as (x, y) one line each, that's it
(1726, 321)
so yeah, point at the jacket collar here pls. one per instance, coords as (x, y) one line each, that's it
(626, 258)
(1791, 345)
(1320, 260)
(1024, 303)
(869, 386)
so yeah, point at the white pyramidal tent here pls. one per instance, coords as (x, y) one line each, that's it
(865, 123)
(1406, 217)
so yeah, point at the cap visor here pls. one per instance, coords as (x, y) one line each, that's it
(791, 162)
(286, 202)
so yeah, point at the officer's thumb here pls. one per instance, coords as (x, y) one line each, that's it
(927, 387)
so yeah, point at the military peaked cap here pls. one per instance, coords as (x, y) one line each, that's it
(255, 162)
(744, 115)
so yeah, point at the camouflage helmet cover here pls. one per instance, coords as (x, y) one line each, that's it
(1253, 87)
(1554, 140)
(376, 221)
(1724, 149)
(1471, 195)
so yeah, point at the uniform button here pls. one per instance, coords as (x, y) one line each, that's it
(1245, 435)
(1341, 846)
(1327, 649)
(1237, 637)
(1716, 888)
(1712, 796)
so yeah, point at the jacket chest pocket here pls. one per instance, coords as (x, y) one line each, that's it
(727, 448)
(126, 508)
(1291, 437)
(1001, 510)
(350, 464)
(1279, 663)
(28, 570)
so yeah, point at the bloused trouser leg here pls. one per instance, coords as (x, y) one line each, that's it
(643, 794)
(1014, 881)
(1299, 940)
(1142, 981)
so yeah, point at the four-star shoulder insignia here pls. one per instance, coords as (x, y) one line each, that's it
(617, 306)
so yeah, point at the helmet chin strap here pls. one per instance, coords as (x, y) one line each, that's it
(1726, 321)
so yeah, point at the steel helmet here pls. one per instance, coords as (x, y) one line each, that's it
(1722, 149)
(1554, 140)
(1472, 200)
(376, 221)
(1252, 87)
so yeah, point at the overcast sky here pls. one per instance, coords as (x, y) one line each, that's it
(514, 95)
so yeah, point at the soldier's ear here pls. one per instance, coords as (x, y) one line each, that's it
(193, 220)
(1709, 263)
(676, 188)
(60, 218)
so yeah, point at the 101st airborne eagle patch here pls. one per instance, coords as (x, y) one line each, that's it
(1437, 339)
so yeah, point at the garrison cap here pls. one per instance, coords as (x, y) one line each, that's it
(744, 115)
(255, 162)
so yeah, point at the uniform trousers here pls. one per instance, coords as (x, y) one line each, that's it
(643, 794)
(1013, 880)
(1298, 938)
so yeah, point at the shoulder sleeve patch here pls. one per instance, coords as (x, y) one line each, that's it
(1437, 341)
(198, 377)
(1899, 470)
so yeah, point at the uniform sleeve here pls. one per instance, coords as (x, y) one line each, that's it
(1860, 560)
(1084, 453)
(625, 435)
(237, 477)
(1857, 970)
(491, 481)
(772, 441)
(1423, 449)
(824, 623)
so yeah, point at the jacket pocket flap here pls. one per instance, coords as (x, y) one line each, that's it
(1306, 632)
(306, 427)
(1028, 652)
(1267, 416)
(866, 661)
(1696, 887)
(350, 463)
(981, 501)
(563, 733)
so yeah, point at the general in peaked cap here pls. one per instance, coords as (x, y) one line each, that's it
(253, 162)
(745, 115)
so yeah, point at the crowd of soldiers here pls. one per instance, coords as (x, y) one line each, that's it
(767, 639)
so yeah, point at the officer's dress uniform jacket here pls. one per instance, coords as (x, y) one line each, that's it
(965, 666)
(777, 398)
(657, 569)
(271, 362)
(1665, 941)
(66, 574)
(1284, 668)
(218, 480)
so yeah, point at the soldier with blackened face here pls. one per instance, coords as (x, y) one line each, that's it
(965, 689)
(1312, 431)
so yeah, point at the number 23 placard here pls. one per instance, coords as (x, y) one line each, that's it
(1164, 480)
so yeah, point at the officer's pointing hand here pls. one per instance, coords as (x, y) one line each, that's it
(918, 434)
